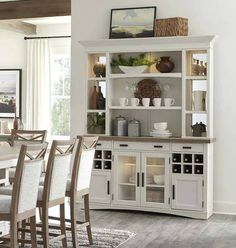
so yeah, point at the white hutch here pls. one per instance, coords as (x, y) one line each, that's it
(124, 167)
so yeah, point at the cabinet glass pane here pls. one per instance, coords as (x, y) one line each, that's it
(155, 179)
(127, 178)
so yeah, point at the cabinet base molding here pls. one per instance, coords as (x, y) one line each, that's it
(189, 214)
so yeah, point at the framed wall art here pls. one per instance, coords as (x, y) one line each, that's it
(10, 92)
(132, 22)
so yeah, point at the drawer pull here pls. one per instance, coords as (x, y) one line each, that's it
(99, 144)
(187, 147)
(123, 145)
(158, 146)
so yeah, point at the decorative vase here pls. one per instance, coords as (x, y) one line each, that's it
(100, 99)
(15, 121)
(93, 103)
(99, 69)
(165, 65)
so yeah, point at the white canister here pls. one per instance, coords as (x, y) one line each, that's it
(199, 100)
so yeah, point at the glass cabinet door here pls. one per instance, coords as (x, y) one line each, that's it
(127, 178)
(154, 179)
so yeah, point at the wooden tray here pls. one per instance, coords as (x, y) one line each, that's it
(147, 88)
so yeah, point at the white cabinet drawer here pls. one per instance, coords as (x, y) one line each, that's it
(141, 146)
(104, 144)
(187, 147)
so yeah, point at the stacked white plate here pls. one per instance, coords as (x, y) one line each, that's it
(160, 133)
(160, 130)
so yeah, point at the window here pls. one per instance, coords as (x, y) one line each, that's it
(60, 95)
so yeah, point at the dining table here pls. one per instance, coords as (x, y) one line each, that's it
(8, 159)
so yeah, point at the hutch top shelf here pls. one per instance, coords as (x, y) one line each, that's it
(163, 43)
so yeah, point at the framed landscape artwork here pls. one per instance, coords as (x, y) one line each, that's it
(10, 93)
(132, 22)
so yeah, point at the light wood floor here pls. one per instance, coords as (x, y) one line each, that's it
(166, 231)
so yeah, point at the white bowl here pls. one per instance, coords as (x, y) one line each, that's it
(160, 125)
(133, 69)
(160, 180)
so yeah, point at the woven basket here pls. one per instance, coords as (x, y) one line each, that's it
(176, 26)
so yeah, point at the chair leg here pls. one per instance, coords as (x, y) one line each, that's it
(87, 218)
(73, 223)
(14, 234)
(33, 232)
(23, 225)
(45, 229)
(63, 224)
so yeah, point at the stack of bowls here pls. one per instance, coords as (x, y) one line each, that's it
(160, 130)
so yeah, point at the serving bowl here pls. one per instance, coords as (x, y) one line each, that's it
(160, 125)
(159, 179)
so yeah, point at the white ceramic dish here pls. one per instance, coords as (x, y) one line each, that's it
(160, 131)
(166, 135)
(133, 69)
(160, 126)
(160, 180)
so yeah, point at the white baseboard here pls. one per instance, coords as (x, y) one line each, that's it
(221, 207)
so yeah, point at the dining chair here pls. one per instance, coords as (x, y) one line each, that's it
(21, 204)
(19, 137)
(53, 191)
(78, 186)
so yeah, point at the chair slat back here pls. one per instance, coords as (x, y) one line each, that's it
(58, 169)
(28, 172)
(19, 137)
(83, 163)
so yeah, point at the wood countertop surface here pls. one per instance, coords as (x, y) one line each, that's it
(200, 140)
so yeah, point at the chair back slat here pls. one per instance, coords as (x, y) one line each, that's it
(19, 137)
(28, 172)
(58, 169)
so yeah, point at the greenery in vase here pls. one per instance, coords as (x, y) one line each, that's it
(96, 122)
(132, 61)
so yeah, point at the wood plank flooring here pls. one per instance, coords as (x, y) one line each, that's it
(166, 231)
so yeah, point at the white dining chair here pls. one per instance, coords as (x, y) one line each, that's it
(21, 204)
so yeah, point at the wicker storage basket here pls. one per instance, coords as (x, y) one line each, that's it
(176, 26)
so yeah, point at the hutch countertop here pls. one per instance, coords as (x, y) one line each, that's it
(155, 139)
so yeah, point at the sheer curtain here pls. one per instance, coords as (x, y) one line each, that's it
(38, 84)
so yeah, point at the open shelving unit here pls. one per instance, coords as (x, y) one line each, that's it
(180, 84)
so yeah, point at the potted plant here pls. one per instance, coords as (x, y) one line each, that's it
(137, 64)
(96, 123)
